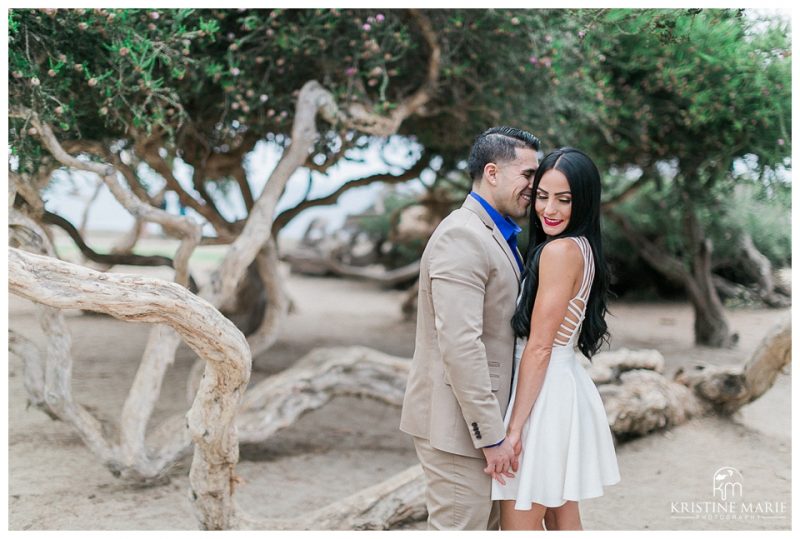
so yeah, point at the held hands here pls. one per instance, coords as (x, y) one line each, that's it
(501, 460)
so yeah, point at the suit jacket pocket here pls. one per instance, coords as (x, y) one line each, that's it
(495, 379)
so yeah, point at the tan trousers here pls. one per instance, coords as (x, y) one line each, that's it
(457, 492)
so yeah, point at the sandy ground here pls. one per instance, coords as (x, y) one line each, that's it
(55, 483)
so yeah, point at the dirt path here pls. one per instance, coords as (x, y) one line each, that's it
(55, 483)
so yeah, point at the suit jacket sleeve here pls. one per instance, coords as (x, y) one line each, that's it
(459, 270)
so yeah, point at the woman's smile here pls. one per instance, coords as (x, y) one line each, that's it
(552, 222)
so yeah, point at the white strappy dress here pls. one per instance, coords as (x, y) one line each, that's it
(567, 447)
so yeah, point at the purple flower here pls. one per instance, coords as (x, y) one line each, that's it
(379, 17)
(534, 60)
(366, 27)
(781, 142)
(350, 71)
(581, 34)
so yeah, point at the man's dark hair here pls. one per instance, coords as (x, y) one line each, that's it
(497, 145)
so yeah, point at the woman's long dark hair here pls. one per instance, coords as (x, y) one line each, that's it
(584, 183)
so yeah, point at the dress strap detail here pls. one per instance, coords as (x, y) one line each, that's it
(576, 308)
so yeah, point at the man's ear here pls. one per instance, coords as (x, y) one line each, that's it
(490, 173)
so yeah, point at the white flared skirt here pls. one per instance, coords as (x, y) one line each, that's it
(567, 446)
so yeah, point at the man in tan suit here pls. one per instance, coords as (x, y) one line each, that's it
(459, 384)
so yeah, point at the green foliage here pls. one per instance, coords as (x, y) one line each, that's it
(97, 74)
(757, 207)
(698, 86)
(214, 75)
(693, 92)
(764, 213)
(657, 215)
(697, 89)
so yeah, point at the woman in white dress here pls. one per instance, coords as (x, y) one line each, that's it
(555, 420)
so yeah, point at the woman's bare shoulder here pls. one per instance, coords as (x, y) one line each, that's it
(562, 255)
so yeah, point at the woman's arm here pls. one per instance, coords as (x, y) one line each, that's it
(560, 268)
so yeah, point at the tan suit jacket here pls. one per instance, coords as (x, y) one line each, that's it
(460, 379)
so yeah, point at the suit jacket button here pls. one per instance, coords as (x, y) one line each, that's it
(478, 436)
(474, 424)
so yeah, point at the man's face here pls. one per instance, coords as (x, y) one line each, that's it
(513, 183)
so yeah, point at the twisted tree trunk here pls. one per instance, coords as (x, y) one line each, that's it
(710, 323)
(639, 399)
(759, 266)
(211, 420)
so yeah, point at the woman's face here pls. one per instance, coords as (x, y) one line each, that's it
(553, 202)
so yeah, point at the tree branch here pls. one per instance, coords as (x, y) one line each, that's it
(113, 259)
(652, 254)
(149, 154)
(133, 180)
(730, 388)
(312, 99)
(287, 215)
(626, 194)
(184, 227)
(277, 299)
(357, 116)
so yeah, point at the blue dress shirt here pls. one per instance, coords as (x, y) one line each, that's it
(508, 228)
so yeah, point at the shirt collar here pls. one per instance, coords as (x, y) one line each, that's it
(508, 228)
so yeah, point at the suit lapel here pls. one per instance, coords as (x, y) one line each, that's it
(501, 241)
(474, 206)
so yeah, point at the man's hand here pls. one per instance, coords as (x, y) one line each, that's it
(500, 461)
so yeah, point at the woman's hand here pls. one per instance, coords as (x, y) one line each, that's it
(514, 438)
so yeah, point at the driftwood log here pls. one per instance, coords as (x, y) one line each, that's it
(314, 380)
(639, 399)
(727, 389)
(316, 263)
